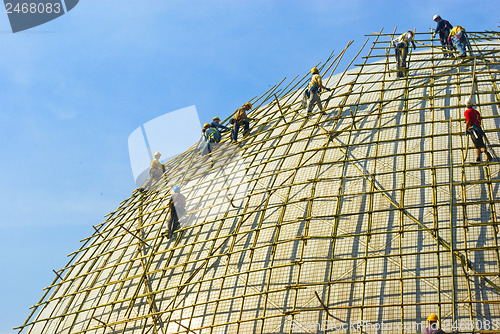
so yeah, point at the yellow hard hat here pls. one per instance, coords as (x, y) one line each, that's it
(216, 119)
(206, 125)
(411, 32)
(314, 70)
(432, 317)
(157, 153)
(248, 104)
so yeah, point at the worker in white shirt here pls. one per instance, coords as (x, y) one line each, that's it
(401, 45)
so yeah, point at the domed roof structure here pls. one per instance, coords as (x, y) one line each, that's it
(371, 214)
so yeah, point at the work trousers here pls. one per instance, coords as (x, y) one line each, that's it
(401, 53)
(461, 43)
(236, 129)
(311, 100)
(154, 176)
(173, 223)
(175, 215)
(477, 135)
(443, 38)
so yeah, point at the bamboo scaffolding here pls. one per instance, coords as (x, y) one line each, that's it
(370, 211)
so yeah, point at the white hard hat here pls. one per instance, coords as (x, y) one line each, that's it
(436, 17)
(468, 103)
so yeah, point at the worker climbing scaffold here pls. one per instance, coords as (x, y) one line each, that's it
(156, 170)
(401, 45)
(177, 205)
(211, 136)
(458, 36)
(216, 125)
(241, 119)
(443, 29)
(311, 94)
(473, 126)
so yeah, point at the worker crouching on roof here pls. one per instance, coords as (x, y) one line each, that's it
(156, 170)
(473, 126)
(401, 45)
(443, 29)
(212, 136)
(177, 206)
(311, 94)
(458, 36)
(216, 124)
(241, 119)
(432, 325)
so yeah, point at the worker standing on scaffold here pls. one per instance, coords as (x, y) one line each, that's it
(458, 36)
(311, 94)
(177, 206)
(241, 119)
(156, 170)
(212, 137)
(473, 126)
(443, 29)
(401, 45)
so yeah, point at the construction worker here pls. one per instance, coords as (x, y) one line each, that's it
(473, 128)
(156, 170)
(215, 124)
(432, 325)
(241, 119)
(443, 29)
(401, 45)
(177, 206)
(458, 36)
(211, 136)
(311, 94)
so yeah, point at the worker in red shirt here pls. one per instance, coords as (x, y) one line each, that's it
(473, 126)
(177, 206)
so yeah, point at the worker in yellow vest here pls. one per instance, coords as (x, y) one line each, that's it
(156, 170)
(241, 119)
(311, 94)
(401, 45)
(458, 36)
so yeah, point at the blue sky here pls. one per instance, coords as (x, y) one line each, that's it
(73, 90)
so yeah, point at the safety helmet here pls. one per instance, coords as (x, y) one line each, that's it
(436, 17)
(314, 70)
(217, 119)
(412, 33)
(176, 189)
(468, 103)
(432, 317)
(206, 126)
(157, 153)
(248, 104)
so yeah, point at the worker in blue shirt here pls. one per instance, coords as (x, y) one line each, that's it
(443, 29)
(215, 124)
(212, 137)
